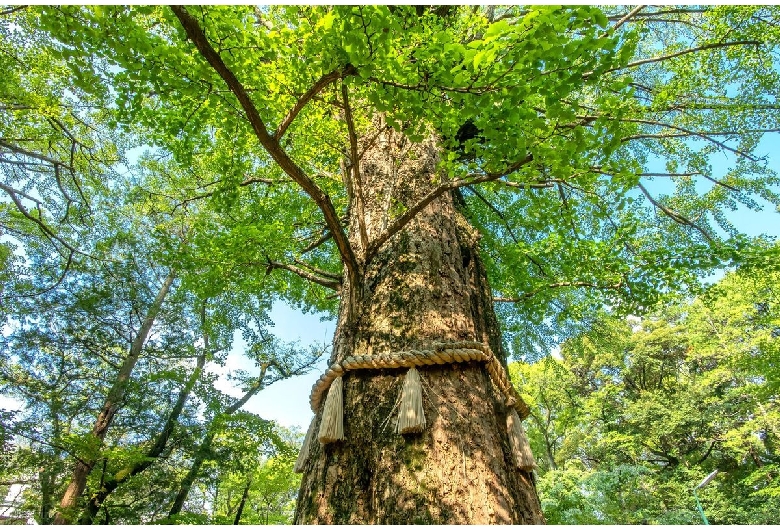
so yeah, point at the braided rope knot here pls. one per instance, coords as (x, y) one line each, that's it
(439, 354)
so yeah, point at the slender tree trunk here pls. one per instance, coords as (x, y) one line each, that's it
(110, 406)
(156, 450)
(186, 484)
(426, 284)
(47, 489)
(204, 449)
(244, 497)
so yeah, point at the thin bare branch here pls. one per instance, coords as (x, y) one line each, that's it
(557, 285)
(660, 58)
(325, 282)
(496, 211)
(18, 150)
(12, 10)
(529, 185)
(674, 216)
(322, 239)
(254, 389)
(666, 12)
(693, 174)
(57, 282)
(705, 135)
(597, 169)
(322, 272)
(683, 133)
(565, 202)
(48, 232)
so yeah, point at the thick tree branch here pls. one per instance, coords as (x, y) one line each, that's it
(323, 81)
(198, 37)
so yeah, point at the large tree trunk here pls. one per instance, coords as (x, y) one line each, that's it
(426, 285)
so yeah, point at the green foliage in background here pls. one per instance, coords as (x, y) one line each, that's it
(635, 413)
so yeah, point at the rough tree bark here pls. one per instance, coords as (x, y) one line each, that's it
(402, 289)
(426, 284)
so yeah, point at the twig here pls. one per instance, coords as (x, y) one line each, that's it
(676, 217)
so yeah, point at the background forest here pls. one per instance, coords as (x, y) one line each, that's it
(140, 245)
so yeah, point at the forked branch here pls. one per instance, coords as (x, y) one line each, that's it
(269, 143)
(323, 81)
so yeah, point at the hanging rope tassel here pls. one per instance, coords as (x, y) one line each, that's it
(332, 426)
(411, 417)
(304, 454)
(521, 448)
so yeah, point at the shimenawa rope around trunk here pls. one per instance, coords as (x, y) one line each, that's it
(411, 417)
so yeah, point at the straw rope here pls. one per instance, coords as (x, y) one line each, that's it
(442, 353)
